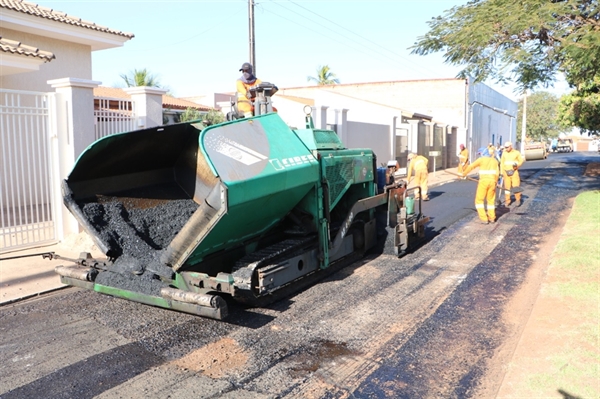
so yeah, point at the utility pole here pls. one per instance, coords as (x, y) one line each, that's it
(524, 123)
(251, 23)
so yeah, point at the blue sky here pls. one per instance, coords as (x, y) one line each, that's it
(196, 47)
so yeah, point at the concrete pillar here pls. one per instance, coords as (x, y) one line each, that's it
(448, 152)
(322, 123)
(392, 136)
(78, 95)
(72, 130)
(147, 104)
(341, 121)
(413, 135)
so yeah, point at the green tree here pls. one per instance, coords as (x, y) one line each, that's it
(190, 114)
(581, 108)
(324, 76)
(140, 77)
(525, 41)
(211, 117)
(542, 112)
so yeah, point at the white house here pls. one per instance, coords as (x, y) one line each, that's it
(46, 115)
(477, 114)
(45, 31)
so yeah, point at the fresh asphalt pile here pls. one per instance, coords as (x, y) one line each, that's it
(137, 228)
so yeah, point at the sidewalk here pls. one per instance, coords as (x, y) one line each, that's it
(27, 277)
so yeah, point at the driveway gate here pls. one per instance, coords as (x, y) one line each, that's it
(27, 216)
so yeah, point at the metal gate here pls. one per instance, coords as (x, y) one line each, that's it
(113, 115)
(27, 212)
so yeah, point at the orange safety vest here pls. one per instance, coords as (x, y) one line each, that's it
(242, 88)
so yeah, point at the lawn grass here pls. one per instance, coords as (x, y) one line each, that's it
(573, 281)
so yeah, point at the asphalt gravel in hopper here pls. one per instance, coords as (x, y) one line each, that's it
(137, 230)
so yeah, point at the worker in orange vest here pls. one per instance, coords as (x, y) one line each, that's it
(243, 84)
(485, 196)
(418, 164)
(463, 158)
(510, 162)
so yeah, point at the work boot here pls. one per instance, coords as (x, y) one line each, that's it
(483, 221)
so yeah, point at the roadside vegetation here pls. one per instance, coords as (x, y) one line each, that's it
(568, 363)
(542, 116)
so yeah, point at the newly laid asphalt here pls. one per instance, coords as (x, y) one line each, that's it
(28, 273)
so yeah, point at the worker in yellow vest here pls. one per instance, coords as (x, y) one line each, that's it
(485, 196)
(418, 164)
(510, 162)
(463, 158)
(243, 84)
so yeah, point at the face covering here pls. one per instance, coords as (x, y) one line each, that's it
(247, 77)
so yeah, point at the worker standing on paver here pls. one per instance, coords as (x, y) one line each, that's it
(463, 158)
(510, 163)
(418, 164)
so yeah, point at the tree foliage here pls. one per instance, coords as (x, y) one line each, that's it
(140, 77)
(190, 114)
(542, 111)
(581, 108)
(524, 41)
(211, 117)
(324, 76)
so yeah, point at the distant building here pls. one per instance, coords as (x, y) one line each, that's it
(172, 107)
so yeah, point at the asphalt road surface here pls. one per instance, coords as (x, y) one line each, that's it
(423, 326)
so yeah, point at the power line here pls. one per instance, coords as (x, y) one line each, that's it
(418, 68)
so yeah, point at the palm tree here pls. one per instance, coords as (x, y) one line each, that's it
(140, 77)
(324, 76)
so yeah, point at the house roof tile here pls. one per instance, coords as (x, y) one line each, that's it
(168, 101)
(15, 47)
(48, 13)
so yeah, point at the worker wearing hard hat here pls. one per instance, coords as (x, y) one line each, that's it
(418, 164)
(463, 158)
(485, 196)
(243, 84)
(510, 162)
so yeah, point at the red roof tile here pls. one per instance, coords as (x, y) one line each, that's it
(168, 101)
